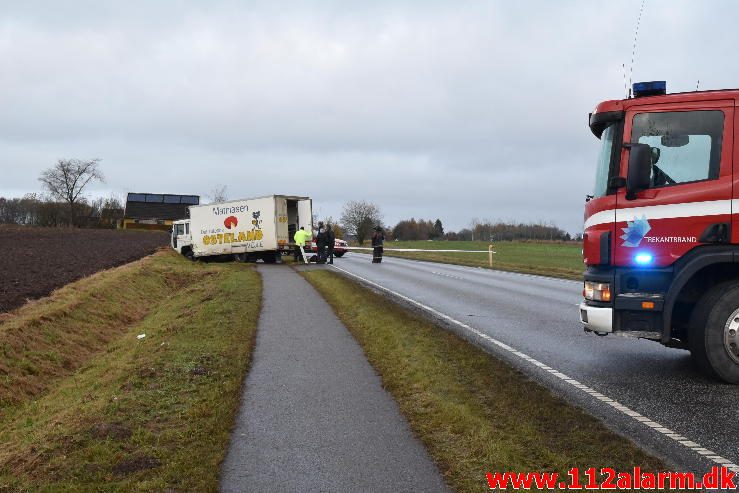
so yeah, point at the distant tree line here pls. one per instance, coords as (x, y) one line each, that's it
(359, 217)
(64, 204)
(412, 229)
(40, 210)
(420, 229)
(500, 231)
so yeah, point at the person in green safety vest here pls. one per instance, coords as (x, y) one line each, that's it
(301, 236)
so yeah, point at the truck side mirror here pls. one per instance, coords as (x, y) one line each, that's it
(640, 169)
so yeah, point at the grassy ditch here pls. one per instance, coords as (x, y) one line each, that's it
(130, 413)
(557, 259)
(474, 413)
(51, 338)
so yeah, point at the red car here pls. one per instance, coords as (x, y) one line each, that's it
(340, 247)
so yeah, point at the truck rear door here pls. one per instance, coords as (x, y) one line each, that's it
(691, 181)
(305, 214)
(283, 236)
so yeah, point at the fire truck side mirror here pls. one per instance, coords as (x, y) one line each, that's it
(640, 169)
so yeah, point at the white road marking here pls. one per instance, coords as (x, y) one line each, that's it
(721, 461)
(450, 276)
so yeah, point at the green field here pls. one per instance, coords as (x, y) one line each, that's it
(557, 259)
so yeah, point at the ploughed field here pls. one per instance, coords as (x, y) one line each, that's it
(35, 261)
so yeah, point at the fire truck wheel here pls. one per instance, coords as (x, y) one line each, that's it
(714, 333)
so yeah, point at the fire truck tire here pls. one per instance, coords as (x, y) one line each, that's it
(340, 254)
(714, 332)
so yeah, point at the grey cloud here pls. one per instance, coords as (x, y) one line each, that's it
(434, 109)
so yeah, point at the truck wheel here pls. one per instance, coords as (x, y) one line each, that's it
(188, 254)
(714, 332)
(339, 254)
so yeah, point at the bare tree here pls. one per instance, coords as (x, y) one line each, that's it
(359, 217)
(336, 227)
(218, 194)
(67, 179)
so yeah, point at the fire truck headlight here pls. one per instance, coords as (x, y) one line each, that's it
(597, 291)
(643, 258)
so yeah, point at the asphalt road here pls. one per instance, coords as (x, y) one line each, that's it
(642, 390)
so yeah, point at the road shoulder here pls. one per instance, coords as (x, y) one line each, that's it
(475, 413)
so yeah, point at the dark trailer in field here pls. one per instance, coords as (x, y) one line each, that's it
(156, 211)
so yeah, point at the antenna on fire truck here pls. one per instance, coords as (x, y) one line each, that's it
(633, 48)
(626, 84)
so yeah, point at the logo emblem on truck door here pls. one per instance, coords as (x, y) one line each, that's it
(635, 231)
(231, 222)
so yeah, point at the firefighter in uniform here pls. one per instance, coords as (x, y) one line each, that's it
(378, 240)
(330, 243)
(321, 243)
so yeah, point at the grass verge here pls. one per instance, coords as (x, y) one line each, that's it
(141, 414)
(474, 413)
(556, 259)
(52, 337)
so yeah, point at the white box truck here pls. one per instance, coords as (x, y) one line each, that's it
(247, 229)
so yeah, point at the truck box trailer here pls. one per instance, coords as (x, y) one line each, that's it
(246, 229)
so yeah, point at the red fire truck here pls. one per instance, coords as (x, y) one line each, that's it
(661, 235)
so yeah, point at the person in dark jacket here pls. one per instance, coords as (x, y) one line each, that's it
(321, 243)
(330, 243)
(378, 240)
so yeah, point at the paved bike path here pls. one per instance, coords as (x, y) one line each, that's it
(314, 415)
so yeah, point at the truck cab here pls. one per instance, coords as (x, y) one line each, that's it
(660, 246)
(181, 239)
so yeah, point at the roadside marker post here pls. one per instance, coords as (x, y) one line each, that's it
(490, 254)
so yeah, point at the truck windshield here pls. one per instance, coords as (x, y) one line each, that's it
(604, 161)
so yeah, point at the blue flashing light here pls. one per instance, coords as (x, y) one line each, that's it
(653, 88)
(643, 258)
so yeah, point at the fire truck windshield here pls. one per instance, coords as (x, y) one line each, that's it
(604, 161)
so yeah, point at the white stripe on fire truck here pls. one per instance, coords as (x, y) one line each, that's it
(667, 211)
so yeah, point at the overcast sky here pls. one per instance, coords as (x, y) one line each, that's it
(455, 110)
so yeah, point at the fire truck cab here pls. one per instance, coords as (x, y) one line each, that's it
(661, 239)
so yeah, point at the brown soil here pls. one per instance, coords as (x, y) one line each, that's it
(35, 261)
(135, 464)
(114, 431)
